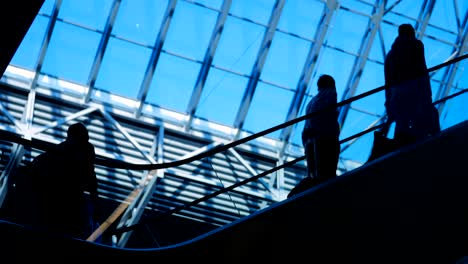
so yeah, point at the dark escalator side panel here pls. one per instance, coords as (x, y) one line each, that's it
(407, 207)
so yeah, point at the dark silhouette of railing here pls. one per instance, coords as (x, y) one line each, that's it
(159, 215)
(40, 144)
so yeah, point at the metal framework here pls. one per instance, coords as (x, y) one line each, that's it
(32, 107)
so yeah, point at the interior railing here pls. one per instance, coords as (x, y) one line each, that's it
(221, 148)
(39, 144)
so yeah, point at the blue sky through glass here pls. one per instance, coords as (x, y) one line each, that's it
(77, 33)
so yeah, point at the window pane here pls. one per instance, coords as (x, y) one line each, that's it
(241, 56)
(123, 68)
(223, 90)
(255, 10)
(27, 53)
(341, 32)
(269, 108)
(173, 82)
(89, 13)
(140, 20)
(71, 52)
(301, 17)
(190, 30)
(285, 60)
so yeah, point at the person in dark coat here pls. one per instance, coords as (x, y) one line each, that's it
(65, 186)
(320, 136)
(408, 96)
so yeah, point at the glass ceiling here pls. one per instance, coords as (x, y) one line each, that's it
(244, 64)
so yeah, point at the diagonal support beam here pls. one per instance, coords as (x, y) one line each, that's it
(65, 120)
(137, 207)
(359, 63)
(258, 66)
(109, 118)
(203, 74)
(153, 61)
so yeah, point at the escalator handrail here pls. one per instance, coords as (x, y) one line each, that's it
(220, 148)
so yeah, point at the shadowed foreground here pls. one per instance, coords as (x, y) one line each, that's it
(407, 207)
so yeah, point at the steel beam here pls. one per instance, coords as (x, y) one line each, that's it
(258, 66)
(449, 76)
(206, 65)
(101, 48)
(153, 61)
(359, 63)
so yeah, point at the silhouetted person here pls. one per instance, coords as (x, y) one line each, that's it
(60, 177)
(320, 136)
(408, 94)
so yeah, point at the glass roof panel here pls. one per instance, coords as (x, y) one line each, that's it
(336, 64)
(194, 25)
(140, 20)
(89, 13)
(123, 68)
(341, 32)
(68, 44)
(285, 60)
(47, 7)
(75, 39)
(241, 56)
(301, 17)
(255, 10)
(173, 82)
(219, 86)
(216, 4)
(269, 108)
(27, 53)
(372, 77)
(407, 8)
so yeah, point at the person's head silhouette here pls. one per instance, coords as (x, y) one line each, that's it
(325, 82)
(406, 30)
(77, 133)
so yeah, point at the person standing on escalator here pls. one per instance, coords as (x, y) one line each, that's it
(320, 136)
(64, 186)
(408, 94)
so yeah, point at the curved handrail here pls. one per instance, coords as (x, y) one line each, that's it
(159, 215)
(224, 147)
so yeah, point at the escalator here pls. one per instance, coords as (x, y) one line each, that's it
(410, 206)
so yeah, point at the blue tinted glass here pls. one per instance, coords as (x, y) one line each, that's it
(123, 68)
(221, 97)
(27, 53)
(140, 20)
(47, 7)
(241, 56)
(301, 17)
(173, 82)
(90, 13)
(255, 10)
(269, 108)
(71, 52)
(341, 32)
(193, 24)
(285, 60)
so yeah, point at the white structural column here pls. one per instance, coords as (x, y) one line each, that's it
(359, 63)
(205, 68)
(258, 66)
(153, 61)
